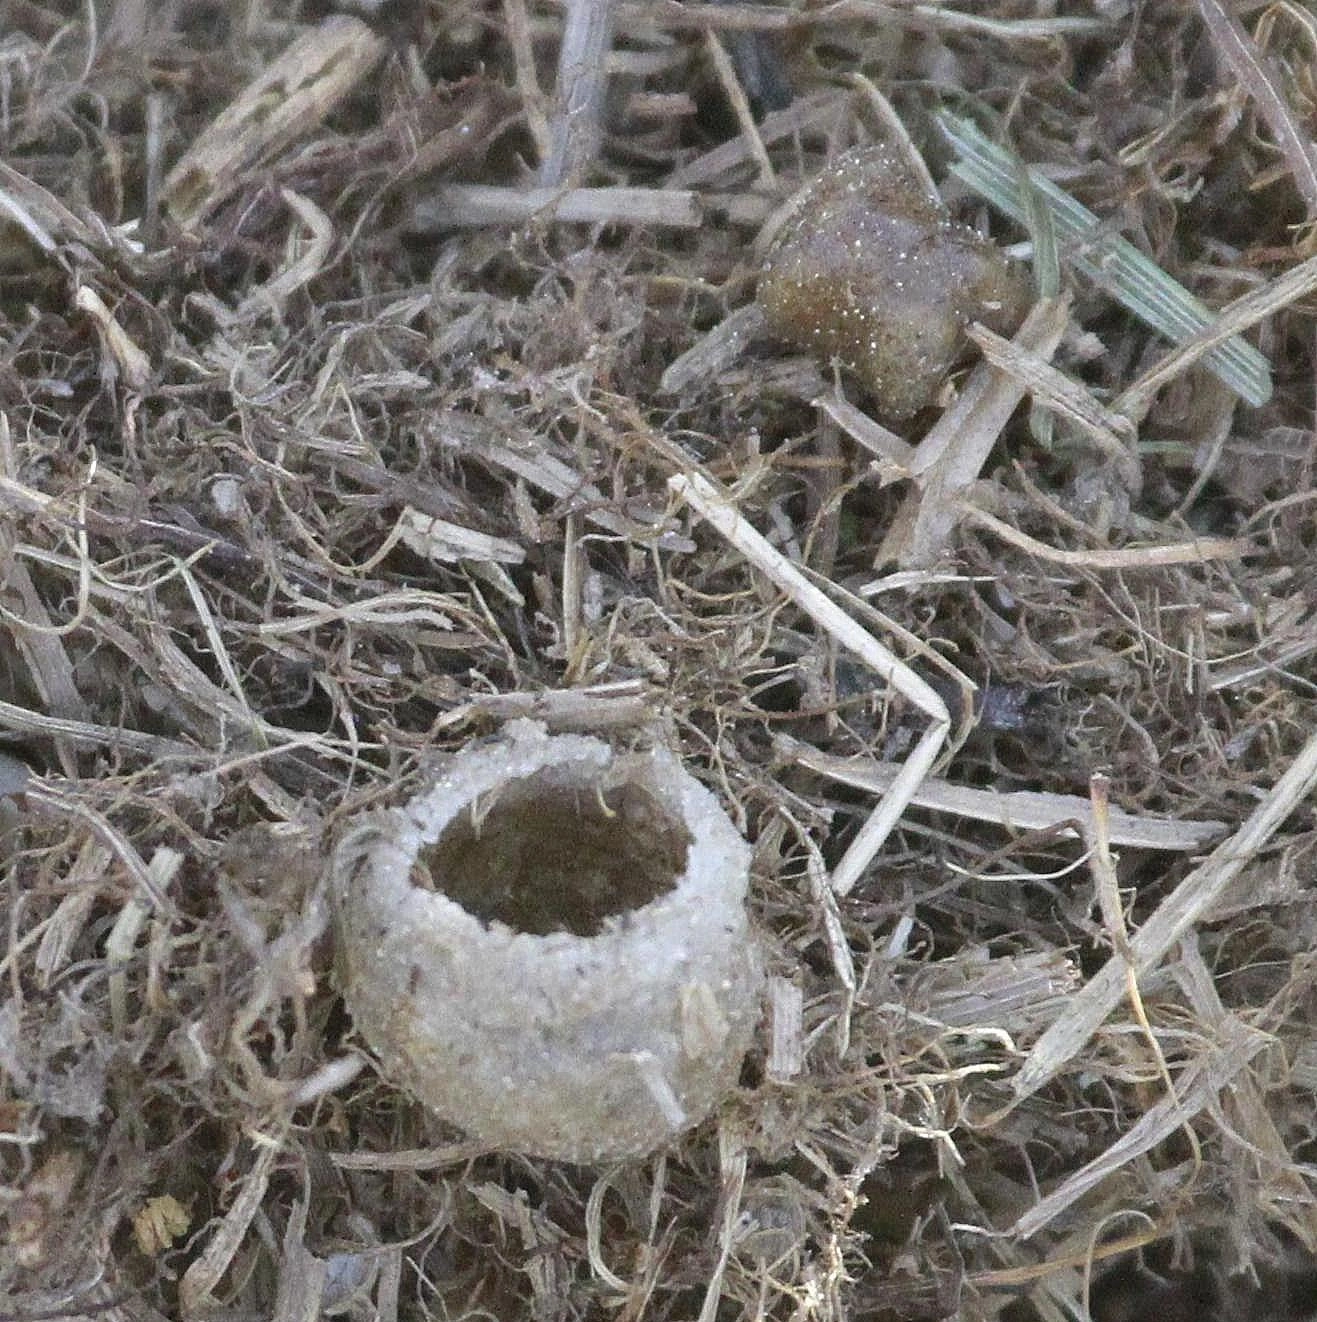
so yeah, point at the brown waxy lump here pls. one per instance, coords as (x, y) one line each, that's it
(870, 271)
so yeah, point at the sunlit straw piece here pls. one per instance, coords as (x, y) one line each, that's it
(718, 511)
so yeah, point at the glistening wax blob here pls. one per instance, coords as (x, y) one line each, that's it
(871, 271)
(550, 947)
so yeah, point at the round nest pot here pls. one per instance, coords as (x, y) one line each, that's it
(550, 947)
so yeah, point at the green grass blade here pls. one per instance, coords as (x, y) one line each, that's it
(1132, 278)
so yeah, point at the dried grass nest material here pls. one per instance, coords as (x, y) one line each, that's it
(549, 945)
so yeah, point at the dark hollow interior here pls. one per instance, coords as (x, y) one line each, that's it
(544, 858)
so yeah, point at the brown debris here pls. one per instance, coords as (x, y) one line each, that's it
(870, 271)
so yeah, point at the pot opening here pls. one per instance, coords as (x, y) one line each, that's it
(544, 857)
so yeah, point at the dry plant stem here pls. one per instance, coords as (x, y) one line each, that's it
(536, 1236)
(1033, 1271)
(886, 445)
(740, 103)
(388, 1290)
(599, 707)
(951, 457)
(528, 84)
(445, 542)
(1287, 1194)
(302, 268)
(574, 569)
(85, 734)
(824, 491)
(132, 364)
(196, 1290)
(804, 114)
(1190, 900)
(1103, 867)
(1250, 672)
(154, 152)
(732, 1161)
(1001, 995)
(300, 1291)
(674, 16)
(944, 444)
(527, 456)
(43, 217)
(394, 609)
(594, 1236)
(1200, 1083)
(896, 134)
(411, 1159)
(1135, 401)
(118, 950)
(716, 508)
(786, 1053)
(282, 103)
(455, 206)
(839, 951)
(717, 349)
(37, 638)
(1017, 810)
(215, 640)
(1134, 557)
(1112, 433)
(51, 800)
(1250, 69)
(576, 128)
(22, 217)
